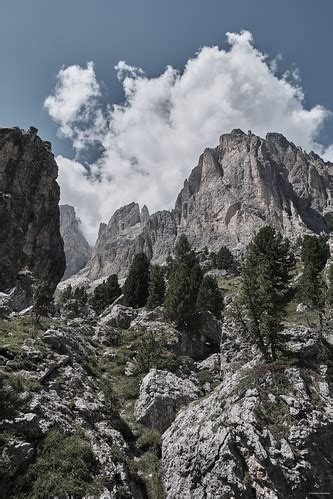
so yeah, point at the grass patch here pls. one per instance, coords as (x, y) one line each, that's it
(14, 331)
(65, 466)
(300, 318)
(229, 284)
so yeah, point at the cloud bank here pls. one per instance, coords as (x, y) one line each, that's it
(152, 140)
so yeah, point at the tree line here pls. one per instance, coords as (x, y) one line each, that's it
(267, 272)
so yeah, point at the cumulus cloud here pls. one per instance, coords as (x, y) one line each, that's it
(74, 105)
(153, 139)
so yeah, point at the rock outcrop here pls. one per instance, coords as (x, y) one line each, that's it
(162, 394)
(29, 197)
(76, 247)
(265, 431)
(244, 183)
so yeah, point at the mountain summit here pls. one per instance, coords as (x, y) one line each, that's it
(236, 188)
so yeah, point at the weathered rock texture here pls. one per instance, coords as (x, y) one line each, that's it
(244, 183)
(162, 394)
(29, 212)
(265, 431)
(77, 249)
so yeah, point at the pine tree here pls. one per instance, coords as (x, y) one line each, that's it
(184, 282)
(98, 299)
(312, 289)
(224, 259)
(136, 285)
(329, 297)
(42, 300)
(210, 297)
(80, 294)
(265, 279)
(156, 290)
(66, 295)
(105, 293)
(113, 290)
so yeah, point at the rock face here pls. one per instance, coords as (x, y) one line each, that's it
(65, 395)
(76, 247)
(162, 394)
(29, 197)
(265, 431)
(244, 183)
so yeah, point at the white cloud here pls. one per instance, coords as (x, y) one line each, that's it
(74, 105)
(154, 138)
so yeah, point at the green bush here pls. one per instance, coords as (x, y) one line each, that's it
(64, 466)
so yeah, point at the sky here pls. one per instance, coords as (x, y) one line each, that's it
(130, 92)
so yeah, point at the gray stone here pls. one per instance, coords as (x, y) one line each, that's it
(120, 316)
(162, 394)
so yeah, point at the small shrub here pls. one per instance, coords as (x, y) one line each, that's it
(64, 466)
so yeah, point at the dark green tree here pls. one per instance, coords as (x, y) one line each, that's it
(42, 300)
(265, 280)
(66, 295)
(105, 293)
(113, 290)
(210, 297)
(156, 290)
(184, 282)
(80, 294)
(224, 259)
(329, 297)
(312, 289)
(136, 285)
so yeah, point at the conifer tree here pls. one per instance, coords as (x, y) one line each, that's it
(265, 279)
(66, 295)
(136, 285)
(156, 290)
(210, 297)
(80, 294)
(329, 297)
(42, 300)
(314, 253)
(184, 282)
(224, 259)
(113, 290)
(105, 293)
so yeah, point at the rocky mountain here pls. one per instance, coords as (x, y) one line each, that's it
(30, 239)
(244, 183)
(76, 247)
(84, 410)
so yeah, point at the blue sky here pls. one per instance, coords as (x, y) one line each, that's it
(143, 149)
(40, 36)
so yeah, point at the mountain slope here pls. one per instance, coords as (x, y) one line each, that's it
(244, 183)
(77, 249)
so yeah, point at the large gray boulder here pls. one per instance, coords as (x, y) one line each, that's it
(162, 394)
(119, 316)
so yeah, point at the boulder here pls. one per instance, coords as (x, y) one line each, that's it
(162, 394)
(73, 309)
(120, 316)
(260, 433)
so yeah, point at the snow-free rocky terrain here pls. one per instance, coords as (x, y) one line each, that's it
(125, 404)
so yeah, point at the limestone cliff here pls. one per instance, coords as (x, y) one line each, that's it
(244, 183)
(77, 249)
(29, 212)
